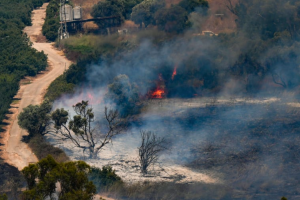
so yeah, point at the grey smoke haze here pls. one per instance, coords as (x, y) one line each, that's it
(252, 147)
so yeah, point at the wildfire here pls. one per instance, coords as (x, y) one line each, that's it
(92, 100)
(158, 94)
(174, 72)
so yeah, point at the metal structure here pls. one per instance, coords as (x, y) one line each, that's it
(77, 13)
(63, 30)
(66, 13)
(77, 25)
(71, 20)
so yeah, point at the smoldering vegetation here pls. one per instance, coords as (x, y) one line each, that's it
(253, 148)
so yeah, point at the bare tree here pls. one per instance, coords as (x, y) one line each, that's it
(80, 130)
(231, 6)
(278, 79)
(150, 149)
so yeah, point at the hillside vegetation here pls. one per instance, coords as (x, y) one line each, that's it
(258, 55)
(170, 55)
(17, 58)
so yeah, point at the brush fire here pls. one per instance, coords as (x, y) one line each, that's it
(160, 90)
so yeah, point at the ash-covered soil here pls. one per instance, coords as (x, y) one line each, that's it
(249, 145)
(122, 155)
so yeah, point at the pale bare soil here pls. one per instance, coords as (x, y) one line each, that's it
(219, 23)
(122, 155)
(16, 152)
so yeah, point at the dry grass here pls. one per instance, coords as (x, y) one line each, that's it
(219, 24)
(42, 149)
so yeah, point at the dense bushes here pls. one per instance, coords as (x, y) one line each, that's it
(42, 179)
(86, 50)
(10, 182)
(122, 8)
(51, 25)
(104, 178)
(17, 58)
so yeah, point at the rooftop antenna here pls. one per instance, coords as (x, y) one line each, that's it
(62, 31)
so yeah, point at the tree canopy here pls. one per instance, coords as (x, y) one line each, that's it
(81, 129)
(108, 8)
(17, 57)
(43, 178)
(174, 19)
(191, 5)
(51, 25)
(122, 8)
(144, 12)
(34, 118)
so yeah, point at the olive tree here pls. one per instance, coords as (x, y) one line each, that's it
(34, 118)
(49, 179)
(173, 19)
(108, 8)
(82, 129)
(145, 11)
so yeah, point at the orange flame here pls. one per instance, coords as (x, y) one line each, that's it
(158, 94)
(174, 72)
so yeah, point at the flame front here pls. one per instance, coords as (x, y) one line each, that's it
(92, 100)
(174, 72)
(158, 94)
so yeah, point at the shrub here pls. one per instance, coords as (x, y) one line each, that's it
(42, 149)
(104, 178)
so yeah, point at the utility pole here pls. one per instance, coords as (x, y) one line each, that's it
(62, 31)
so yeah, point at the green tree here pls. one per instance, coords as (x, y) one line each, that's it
(174, 19)
(124, 95)
(81, 130)
(108, 8)
(191, 5)
(144, 12)
(34, 118)
(128, 5)
(43, 178)
(51, 25)
(104, 178)
(265, 18)
(3, 197)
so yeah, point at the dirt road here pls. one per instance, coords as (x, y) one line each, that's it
(15, 152)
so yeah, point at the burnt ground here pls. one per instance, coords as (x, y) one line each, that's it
(255, 149)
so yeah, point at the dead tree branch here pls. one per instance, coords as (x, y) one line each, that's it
(150, 149)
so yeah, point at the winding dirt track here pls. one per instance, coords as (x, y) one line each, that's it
(15, 152)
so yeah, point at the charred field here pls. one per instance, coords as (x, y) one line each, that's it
(241, 148)
(254, 147)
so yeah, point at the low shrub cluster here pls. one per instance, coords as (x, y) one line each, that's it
(104, 178)
(42, 149)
